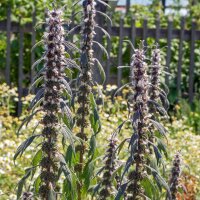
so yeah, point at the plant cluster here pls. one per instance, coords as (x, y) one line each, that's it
(147, 103)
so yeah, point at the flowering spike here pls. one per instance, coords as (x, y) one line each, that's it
(109, 168)
(138, 102)
(53, 85)
(175, 175)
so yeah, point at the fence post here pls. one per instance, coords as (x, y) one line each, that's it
(20, 70)
(157, 29)
(192, 67)
(128, 4)
(180, 56)
(33, 41)
(168, 58)
(144, 37)
(8, 43)
(119, 71)
(108, 59)
(100, 20)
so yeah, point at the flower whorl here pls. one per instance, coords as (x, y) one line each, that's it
(139, 117)
(110, 166)
(175, 174)
(53, 76)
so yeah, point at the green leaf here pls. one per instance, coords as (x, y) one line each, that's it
(120, 146)
(160, 180)
(36, 82)
(68, 135)
(102, 48)
(22, 182)
(101, 70)
(37, 158)
(92, 145)
(51, 195)
(159, 127)
(37, 184)
(120, 89)
(94, 116)
(24, 145)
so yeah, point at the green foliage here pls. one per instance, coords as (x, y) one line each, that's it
(182, 136)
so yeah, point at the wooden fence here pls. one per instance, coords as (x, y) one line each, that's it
(131, 32)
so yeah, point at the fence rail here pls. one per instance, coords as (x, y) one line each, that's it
(131, 32)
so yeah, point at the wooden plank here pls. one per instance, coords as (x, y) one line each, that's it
(151, 32)
(168, 57)
(157, 29)
(108, 59)
(133, 32)
(128, 4)
(33, 41)
(20, 71)
(192, 63)
(119, 71)
(145, 29)
(133, 40)
(99, 38)
(8, 46)
(180, 57)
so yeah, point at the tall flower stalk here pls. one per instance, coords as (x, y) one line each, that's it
(138, 103)
(110, 165)
(53, 85)
(87, 118)
(175, 175)
(153, 90)
(52, 100)
(142, 106)
(87, 62)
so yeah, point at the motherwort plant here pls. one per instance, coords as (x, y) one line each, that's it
(52, 101)
(140, 164)
(87, 118)
(109, 176)
(157, 102)
(175, 175)
(139, 140)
